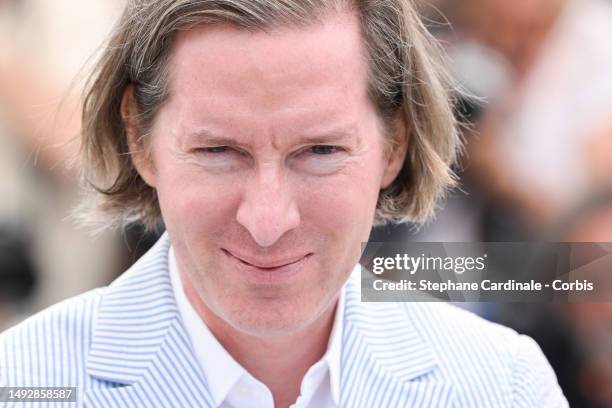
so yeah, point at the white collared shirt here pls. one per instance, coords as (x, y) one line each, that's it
(231, 386)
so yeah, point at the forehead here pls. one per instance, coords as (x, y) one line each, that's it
(217, 67)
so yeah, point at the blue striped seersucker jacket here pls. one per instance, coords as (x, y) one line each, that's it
(124, 346)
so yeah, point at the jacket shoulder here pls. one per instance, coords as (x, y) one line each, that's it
(49, 348)
(485, 357)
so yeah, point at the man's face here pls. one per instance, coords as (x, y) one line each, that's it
(268, 158)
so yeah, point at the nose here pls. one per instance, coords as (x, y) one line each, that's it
(268, 209)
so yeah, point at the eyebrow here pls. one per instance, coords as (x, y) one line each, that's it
(328, 137)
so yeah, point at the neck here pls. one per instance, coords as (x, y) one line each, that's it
(273, 360)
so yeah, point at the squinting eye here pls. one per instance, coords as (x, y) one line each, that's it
(320, 160)
(216, 149)
(323, 149)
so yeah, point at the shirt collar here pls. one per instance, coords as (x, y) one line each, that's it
(334, 347)
(213, 357)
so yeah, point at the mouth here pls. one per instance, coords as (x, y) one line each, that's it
(266, 264)
(267, 271)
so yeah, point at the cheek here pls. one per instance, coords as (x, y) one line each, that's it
(342, 206)
(194, 206)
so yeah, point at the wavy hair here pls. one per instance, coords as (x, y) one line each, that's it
(407, 76)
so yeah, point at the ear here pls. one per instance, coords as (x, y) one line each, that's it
(395, 152)
(138, 151)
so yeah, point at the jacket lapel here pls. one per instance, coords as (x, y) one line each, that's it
(141, 356)
(140, 352)
(385, 361)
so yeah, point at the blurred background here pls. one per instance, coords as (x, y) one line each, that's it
(537, 165)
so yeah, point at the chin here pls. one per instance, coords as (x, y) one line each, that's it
(274, 318)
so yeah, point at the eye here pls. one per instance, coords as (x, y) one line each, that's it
(220, 158)
(320, 160)
(217, 152)
(215, 149)
(323, 149)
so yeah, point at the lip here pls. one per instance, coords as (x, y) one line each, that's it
(266, 263)
(267, 271)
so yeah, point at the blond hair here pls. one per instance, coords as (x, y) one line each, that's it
(406, 77)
